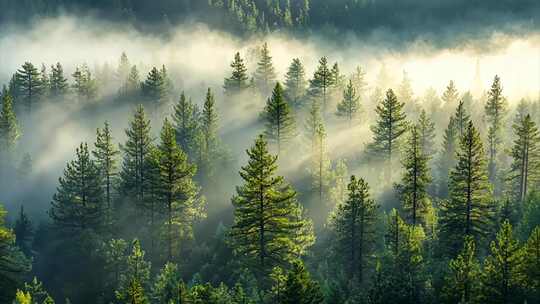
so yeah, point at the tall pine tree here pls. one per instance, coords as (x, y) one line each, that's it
(280, 124)
(295, 83)
(29, 85)
(239, 79)
(265, 75)
(349, 107)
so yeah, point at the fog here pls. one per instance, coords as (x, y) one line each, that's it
(199, 57)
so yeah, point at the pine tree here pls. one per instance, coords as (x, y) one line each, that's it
(178, 193)
(238, 80)
(359, 81)
(269, 228)
(85, 87)
(415, 179)
(450, 96)
(313, 123)
(265, 75)
(525, 168)
(320, 171)
(135, 280)
(45, 81)
(106, 155)
(462, 284)
(530, 266)
(447, 159)
(501, 278)
(154, 87)
(29, 85)
(123, 70)
(24, 232)
(280, 124)
(338, 192)
(9, 129)
(426, 132)
(469, 210)
(209, 137)
(168, 286)
(354, 224)
(300, 288)
(349, 107)
(295, 83)
(58, 83)
(78, 201)
(186, 124)
(13, 264)
(390, 126)
(137, 148)
(37, 292)
(338, 79)
(495, 109)
(319, 86)
(168, 86)
(461, 118)
(133, 84)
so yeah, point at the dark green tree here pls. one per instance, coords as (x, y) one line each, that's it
(300, 288)
(469, 211)
(280, 124)
(530, 265)
(354, 224)
(295, 83)
(29, 85)
(209, 143)
(133, 85)
(58, 82)
(269, 227)
(9, 129)
(106, 158)
(154, 87)
(447, 158)
(416, 177)
(24, 231)
(390, 126)
(136, 278)
(501, 277)
(319, 86)
(78, 201)
(239, 79)
(178, 193)
(85, 87)
(426, 131)
(186, 124)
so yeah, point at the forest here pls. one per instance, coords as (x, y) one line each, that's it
(266, 162)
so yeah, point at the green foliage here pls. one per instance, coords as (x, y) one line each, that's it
(462, 284)
(24, 231)
(319, 86)
(349, 107)
(85, 87)
(280, 124)
(320, 165)
(390, 126)
(299, 288)
(238, 80)
(269, 226)
(426, 130)
(209, 144)
(295, 84)
(450, 96)
(59, 86)
(469, 211)
(415, 180)
(265, 75)
(354, 224)
(9, 128)
(28, 85)
(78, 201)
(501, 278)
(168, 286)
(495, 109)
(530, 265)
(136, 278)
(155, 86)
(185, 119)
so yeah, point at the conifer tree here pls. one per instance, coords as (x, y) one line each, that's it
(495, 110)
(300, 288)
(450, 96)
(349, 107)
(447, 159)
(280, 124)
(394, 232)
(525, 168)
(178, 193)
(295, 83)
(133, 81)
(269, 226)
(9, 129)
(265, 75)
(359, 81)
(24, 232)
(78, 201)
(37, 292)
(209, 140)
(137, 148)
(415, 179)
(320, 171)
(85, 86)
(354, 224)
(319, 86)
(186, 124)
(58, 83)
(462, 284)
(338, 192)
(168, 286)
(13, 264)
(135, 279)
(426, 131)
(530, 266)
(338, 79)
(168, 86)
(123, 69)
(154, 87)
(390, 126)
(469, 211)
(461, 118)
(29, 85)
(45, 81)
(501, 277)
(106, 155)
(239, 79)
(313, 123)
